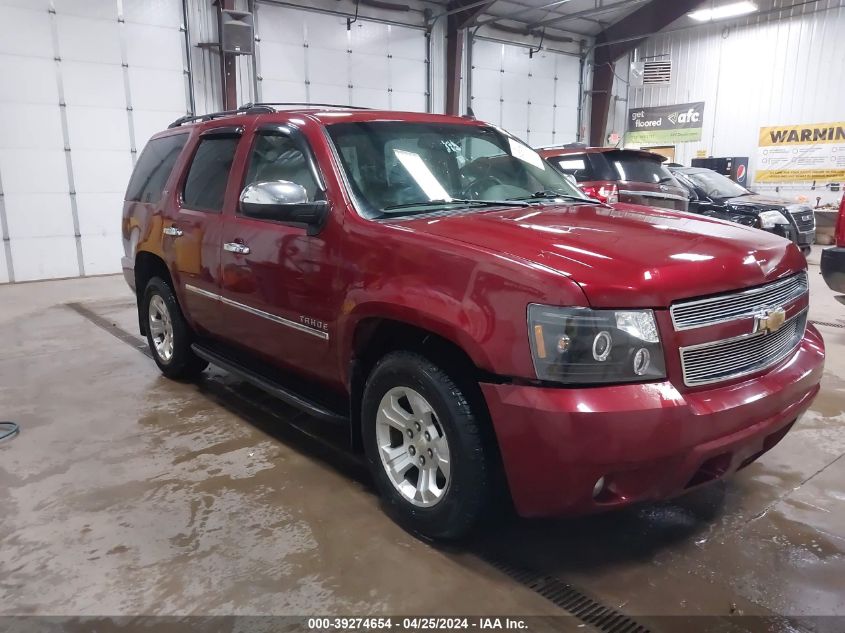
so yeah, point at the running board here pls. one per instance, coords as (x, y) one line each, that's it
(270, 386)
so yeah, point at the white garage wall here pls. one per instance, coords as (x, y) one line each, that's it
(311, 57)
(778, 72)
(534, 98)
(84, 85)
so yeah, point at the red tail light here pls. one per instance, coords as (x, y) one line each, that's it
(603, 193)
(840, 225)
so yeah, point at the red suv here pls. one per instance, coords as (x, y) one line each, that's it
(619, 175)
(432, 283)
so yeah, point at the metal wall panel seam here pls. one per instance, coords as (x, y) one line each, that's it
(501, 120)
(306, 60)
(389, 69)
(188, 69)
(554, 101)
(54, 31)
(124, 63)
(349, 85)
(7, 240)
(256, 62)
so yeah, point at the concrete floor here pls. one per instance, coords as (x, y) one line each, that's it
(127, 494)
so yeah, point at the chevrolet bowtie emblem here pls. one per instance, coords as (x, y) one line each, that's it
(769, 320)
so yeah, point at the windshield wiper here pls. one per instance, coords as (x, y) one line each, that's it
(436, 203)
(553, 195)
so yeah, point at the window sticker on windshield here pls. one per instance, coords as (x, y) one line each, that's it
(525, 154)
(422, 175)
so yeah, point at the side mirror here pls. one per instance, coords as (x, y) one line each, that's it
(283, 201)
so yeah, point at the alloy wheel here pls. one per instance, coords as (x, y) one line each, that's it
(161, 328)
(413, 448)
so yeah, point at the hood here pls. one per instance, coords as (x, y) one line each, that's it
(627, 256)
(757, 202)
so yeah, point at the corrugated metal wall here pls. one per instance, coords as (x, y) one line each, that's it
(784, 69)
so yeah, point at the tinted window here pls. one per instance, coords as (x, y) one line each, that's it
(575, 165)
(205, 186)
(154, 167)
(276, 157)
(635, 168)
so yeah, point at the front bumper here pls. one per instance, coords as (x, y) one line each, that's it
(833, 268)
(806, 238)
(649, 441)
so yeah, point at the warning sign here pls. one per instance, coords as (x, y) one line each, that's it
(802, 153)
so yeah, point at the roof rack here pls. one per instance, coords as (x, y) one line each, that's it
(248, 108)
(257, 108)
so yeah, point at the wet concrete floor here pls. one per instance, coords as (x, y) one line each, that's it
(129, 494)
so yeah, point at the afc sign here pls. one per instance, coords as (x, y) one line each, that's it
(690, 116)
(670, 123)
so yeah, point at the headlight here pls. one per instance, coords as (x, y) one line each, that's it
(583, 346)
(768, 219)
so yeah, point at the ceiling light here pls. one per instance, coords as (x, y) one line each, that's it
(731, 10)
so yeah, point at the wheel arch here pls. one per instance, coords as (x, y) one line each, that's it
(147, 266)
(375, 337)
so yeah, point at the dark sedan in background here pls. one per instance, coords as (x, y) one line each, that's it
(614, 175)
(718, 196)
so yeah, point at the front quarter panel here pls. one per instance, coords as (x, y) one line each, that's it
(465, 294)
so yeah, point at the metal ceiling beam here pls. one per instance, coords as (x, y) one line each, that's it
(545, 7)
(586, 14)
(553, 11)
(619, 39)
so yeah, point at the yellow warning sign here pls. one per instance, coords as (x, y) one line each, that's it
(801, 153)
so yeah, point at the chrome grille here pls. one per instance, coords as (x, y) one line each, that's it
(736, 357)
(737, 305)
(804, 225)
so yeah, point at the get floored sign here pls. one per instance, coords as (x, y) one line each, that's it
(802, 153)
(665, 124)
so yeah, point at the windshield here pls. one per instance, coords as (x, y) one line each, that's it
(400, 168)
(716, 185)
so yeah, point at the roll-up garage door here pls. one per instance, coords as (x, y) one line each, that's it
(533, 97)
(84, 85)
(312, 57)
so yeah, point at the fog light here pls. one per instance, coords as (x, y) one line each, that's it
(601, 345)
(598, 487)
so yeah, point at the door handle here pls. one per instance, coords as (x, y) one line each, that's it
(236, 247)
(172, 231)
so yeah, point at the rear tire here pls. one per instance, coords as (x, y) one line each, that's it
(168, 334)
(425, 447)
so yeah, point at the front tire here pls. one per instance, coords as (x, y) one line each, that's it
(425, 447)
(168, 334)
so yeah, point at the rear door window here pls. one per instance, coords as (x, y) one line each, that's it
(205, 186)
(154, 167)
